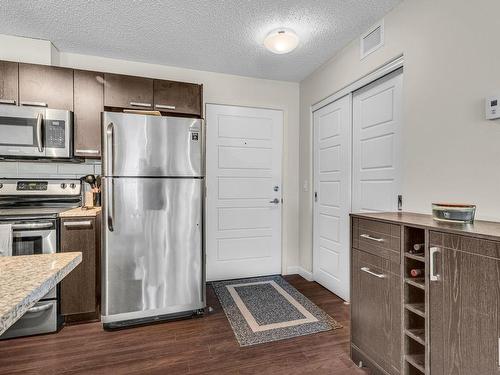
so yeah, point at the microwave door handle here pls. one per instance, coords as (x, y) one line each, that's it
(39, 119)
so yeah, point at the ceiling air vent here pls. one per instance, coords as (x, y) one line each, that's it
(372, 40)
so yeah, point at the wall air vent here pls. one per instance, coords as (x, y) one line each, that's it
(372, 40)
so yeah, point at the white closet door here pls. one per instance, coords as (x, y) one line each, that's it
(332, 181)
(243, 205)
(376, 145)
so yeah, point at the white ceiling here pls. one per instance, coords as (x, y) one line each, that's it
(214, 35)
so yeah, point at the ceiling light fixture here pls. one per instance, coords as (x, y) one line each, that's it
(281, 41)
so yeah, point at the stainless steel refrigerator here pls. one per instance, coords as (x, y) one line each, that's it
(153, 257)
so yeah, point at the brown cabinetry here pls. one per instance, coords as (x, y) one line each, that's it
(9, 80)
(376, 295)
(177, 97)
(465, 305)
(46, 86)
(448, 296)
(121, 91)
(88, 103)
(80, 290)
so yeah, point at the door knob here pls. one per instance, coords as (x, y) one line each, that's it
(275, 201)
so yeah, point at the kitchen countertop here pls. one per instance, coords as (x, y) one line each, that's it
(481, 229)
(81, 212)
(26, 279)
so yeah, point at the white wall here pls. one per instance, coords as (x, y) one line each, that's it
(35, 51)
(450, 153)
(220, 89)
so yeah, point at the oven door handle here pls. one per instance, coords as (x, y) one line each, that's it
(39, 119)
(39, 308)
(32, 226)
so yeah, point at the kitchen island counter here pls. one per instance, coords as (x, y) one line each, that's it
(26, 279)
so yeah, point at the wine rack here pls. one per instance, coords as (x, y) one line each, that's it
(414, 290)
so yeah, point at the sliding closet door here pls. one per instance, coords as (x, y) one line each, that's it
(376, 160)
(332, 182)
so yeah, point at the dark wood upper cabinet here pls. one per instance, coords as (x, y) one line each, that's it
(9, 82)
(46, 86)
(89, 103)
(80, 290)
(178, 97)
(465, 306)
(121, 91)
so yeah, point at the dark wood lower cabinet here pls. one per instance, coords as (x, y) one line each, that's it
(80, 290)
(465, 306)
(376, 310)
(443, 308)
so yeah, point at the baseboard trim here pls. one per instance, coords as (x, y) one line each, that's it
(297, 270)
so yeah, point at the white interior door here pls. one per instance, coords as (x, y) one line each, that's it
(376, 145)
(243, 205)
(332, 181)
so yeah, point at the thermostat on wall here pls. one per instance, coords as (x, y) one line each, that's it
(493, 107)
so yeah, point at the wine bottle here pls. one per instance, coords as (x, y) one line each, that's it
(417, 248)
(417, 272)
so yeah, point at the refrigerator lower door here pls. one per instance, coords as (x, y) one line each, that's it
(153, 257)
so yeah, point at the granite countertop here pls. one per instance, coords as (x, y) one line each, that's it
(26, 279)
(81, 212)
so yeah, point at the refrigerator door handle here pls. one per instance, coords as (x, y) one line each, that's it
(109, 148)
(110, 203)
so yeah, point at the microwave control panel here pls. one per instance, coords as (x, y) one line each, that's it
(55, 135)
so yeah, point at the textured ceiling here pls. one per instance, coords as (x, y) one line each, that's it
(215, 35)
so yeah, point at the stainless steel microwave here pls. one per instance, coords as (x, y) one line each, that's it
(33, 132)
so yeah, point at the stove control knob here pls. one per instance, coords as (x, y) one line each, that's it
(63, 186)
(1, 186)
(72, 186)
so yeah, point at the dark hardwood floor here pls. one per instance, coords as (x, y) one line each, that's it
(195, 346)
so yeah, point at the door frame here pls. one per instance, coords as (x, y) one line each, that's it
(284, 202)
(380, 72)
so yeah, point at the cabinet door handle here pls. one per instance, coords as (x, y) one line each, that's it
(367, 270)
(7, 101)
(164, 106)
(138, 104)
(82, 224)
(96, 152)
(368, 237)
(434, 276)
(34, 104)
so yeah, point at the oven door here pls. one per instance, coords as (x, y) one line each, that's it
(34, 238)
(21, 134)
(31, 238)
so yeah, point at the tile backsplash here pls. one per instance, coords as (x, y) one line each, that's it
(28, 169)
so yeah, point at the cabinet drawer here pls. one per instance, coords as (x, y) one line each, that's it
(378, 238)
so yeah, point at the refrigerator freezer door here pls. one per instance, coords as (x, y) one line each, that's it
(140, 146)
(153, 259)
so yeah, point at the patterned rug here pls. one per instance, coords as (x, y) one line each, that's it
(266, 309)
